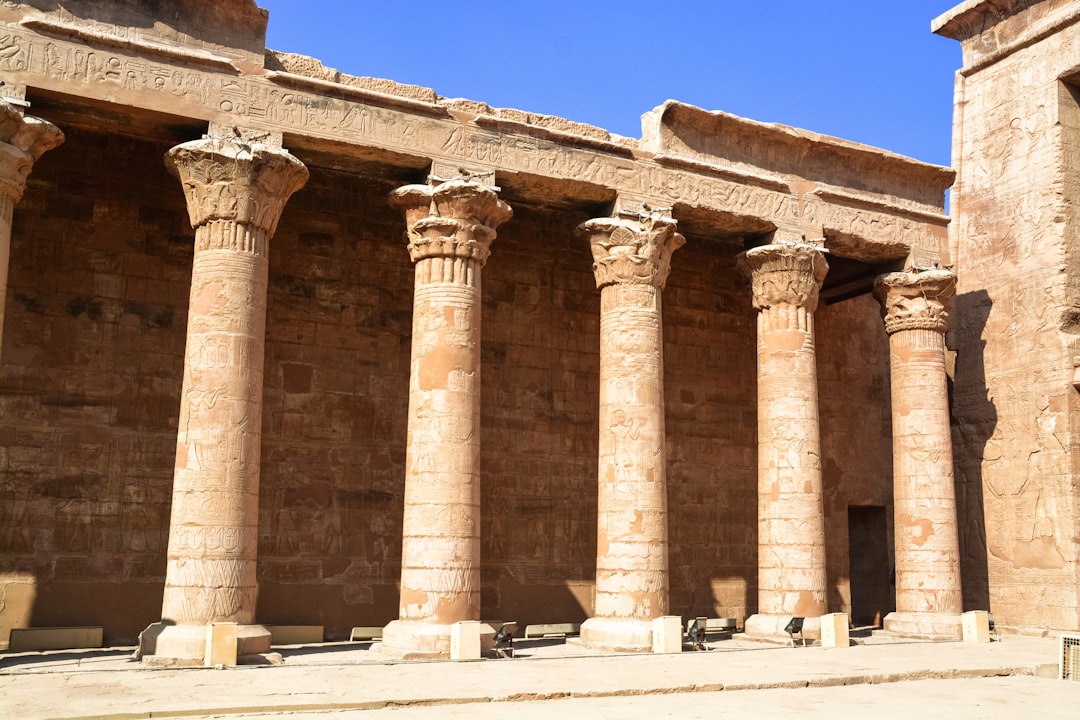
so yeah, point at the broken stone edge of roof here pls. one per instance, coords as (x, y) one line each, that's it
(991, 30)
(738, 144)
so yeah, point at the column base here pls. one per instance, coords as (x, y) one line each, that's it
(617, 634)
(166, 645)
(770, 628)
(929, 626)
(412, 640)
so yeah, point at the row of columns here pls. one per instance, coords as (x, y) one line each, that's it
(236, 185)
(785, 281)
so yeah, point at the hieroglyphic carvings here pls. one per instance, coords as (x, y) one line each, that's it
(786, 280)
(848, 219)
(631, 262)
(236, 188)
(1014, 402)
(928, 597)
(450, 225)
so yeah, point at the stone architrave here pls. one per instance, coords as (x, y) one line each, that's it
(928, 591)
(632, 259)
(23, 139)
(785, 280)
(236, 189)
(450, 227)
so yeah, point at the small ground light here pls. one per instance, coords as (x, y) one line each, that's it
(795, 626)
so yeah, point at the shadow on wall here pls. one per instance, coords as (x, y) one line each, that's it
(974, 419)
(507, 599)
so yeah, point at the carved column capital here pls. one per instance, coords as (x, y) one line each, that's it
(23, 139)
(915, 300)
(632, 250)
(785, 275)
(453, 219)
(234, 180)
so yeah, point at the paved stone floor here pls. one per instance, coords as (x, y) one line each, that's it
(340, 681)
(983, 698)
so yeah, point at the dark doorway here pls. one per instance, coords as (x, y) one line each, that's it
(872, 593)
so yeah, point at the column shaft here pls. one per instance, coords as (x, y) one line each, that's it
(213, 531)
(632, 263)
(450, 227)
(927, 550)
(791, 522)
(440, 572)
(631, 558)
(236, 191)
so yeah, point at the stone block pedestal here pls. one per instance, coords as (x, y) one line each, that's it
(976, 626)
(667, 634)
(834, 630)
(221, 644)
(465, 640)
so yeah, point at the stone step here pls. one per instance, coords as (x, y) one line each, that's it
(716, 625)
(55, 638)
(366, 633)
(552, 630)
(295, 634)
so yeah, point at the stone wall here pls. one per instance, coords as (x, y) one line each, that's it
(539, 387)
(335, 407)
(1017, 126)
(856, 429)
(92, 365)
(709, 363)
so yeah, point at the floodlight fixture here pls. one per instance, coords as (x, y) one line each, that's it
(795, 627)
(504, 640)
(695, 632)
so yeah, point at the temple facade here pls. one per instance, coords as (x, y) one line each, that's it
(283, 346)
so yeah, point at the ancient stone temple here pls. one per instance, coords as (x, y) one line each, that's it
(284, 346)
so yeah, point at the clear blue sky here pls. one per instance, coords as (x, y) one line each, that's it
(865, 70)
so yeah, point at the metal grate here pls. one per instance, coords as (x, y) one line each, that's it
(1069, 656)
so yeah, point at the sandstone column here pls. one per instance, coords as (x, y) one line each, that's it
(928, 597)
(450, 228)
(632, 259)
(791, 522)
(23, 139)
(236, 189)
